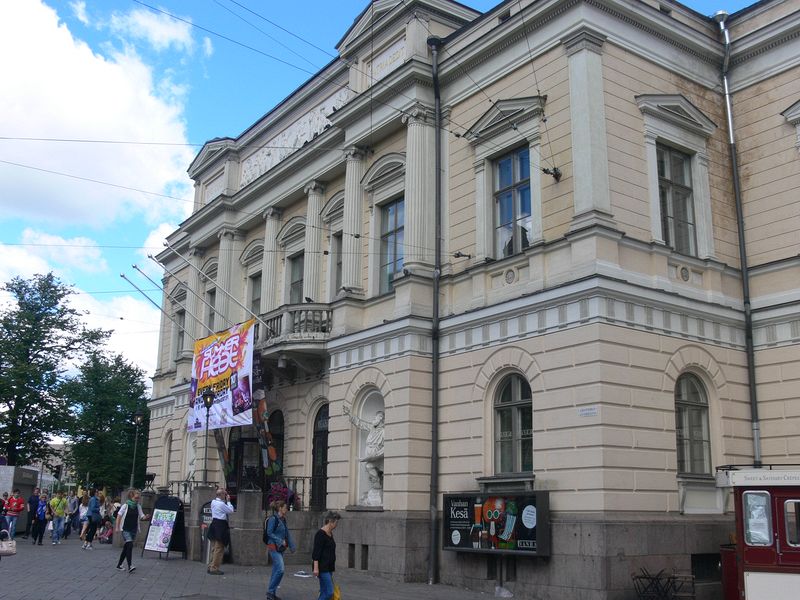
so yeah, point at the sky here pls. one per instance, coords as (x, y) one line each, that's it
(103, 105)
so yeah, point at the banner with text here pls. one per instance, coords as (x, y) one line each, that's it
(223, 365)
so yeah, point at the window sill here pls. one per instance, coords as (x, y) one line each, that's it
(507, 482)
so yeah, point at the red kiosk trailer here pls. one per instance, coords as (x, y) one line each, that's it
(764, 563)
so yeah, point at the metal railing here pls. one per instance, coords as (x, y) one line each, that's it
(301, 493)
(183, 488)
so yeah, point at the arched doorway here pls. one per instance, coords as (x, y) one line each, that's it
(319, 460)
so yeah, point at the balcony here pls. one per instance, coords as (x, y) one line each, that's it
(295, 327)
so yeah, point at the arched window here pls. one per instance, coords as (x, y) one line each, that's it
(275, 424)
(513, 426)
(691, 426)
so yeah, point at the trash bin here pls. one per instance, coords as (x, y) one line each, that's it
(730, 572)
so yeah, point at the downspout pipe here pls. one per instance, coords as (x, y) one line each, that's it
(433, 564)
(721, 17)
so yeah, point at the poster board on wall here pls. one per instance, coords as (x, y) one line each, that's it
(497, 523)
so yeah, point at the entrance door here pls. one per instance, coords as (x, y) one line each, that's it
(319, 460)
(787, 509)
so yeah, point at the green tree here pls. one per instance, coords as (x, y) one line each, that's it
(41, 337)
(105, 396)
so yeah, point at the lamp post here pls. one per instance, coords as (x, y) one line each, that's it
(208, 402)
(137, 418)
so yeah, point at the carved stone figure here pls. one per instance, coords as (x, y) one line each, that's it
(373, 462)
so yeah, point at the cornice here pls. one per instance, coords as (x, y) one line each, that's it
(765, 39)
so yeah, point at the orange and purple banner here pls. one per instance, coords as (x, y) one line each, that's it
(223, 365)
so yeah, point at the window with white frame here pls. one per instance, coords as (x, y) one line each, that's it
(336, 246)
(693, 437)
(296, 267)
(508, 203)
(677, 202)
(211, 302)
(180, 333)
(676, 149)
(332, 218)
(512, 200)
(392, 229)
(513, 426)
(255, 293)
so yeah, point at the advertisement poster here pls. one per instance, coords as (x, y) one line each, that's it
(223, 364)
(160, 532)
(497, 523)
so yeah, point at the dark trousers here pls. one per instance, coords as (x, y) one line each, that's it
(126, 554)
(29, 524)
(38, 531)
(91, 531)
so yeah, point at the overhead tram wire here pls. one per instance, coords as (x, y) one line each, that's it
(161, 310)
(313, 74)
(422, 249)
(493, 103)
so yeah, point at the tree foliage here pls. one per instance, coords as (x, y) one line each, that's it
(41, 337)
(105, 396)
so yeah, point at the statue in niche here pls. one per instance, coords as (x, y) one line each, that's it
(373, 460)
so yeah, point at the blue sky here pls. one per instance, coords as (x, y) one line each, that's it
(119, 71)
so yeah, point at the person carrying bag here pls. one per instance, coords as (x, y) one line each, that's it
(278, 539)
(324, 557)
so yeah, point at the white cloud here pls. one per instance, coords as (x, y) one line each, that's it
(78, 253)
(208, 48)
(79, 10)
(153, 245)
(59, 88)
(158, 30)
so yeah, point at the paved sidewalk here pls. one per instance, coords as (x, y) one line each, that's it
(66, 572)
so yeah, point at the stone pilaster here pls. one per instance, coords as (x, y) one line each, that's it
(592, 200)
(420, 184)
(194, 304)
(313, 242)
(269, 265)
(226, 273)
(353, 216)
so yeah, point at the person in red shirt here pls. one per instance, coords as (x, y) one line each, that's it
(14, 508)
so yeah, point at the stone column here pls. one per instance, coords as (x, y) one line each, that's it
(269, 265)
(592, 203)
(225, 268)
(313, 242)
(420, 184)
(352, 223)
(194, 304)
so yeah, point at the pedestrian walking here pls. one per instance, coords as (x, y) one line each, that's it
(324, 555)
(40, 514)
(14, 508)
(58, 507)
(218, 531)
(33, 503)
(92, 518)
(278, 538)
(72, 512)
(128, 519)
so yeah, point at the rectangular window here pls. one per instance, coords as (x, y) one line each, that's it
(337, 262)
(392, 254)
(512, 199)
(791, 511)
(180, 325)
(297, 265)
(677, 203)
(757, 518)
(211, 300)
(255, 293)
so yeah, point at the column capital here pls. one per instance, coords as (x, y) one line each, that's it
(228, 232)
(418, 115)
(314, 186)
(354, 153)
(196, 251)
(584, 38)
(272, 213)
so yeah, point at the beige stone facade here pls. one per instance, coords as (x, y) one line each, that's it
(616, 291)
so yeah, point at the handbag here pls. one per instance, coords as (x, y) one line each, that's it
(8, 547)
(49, 526)
(337, 593)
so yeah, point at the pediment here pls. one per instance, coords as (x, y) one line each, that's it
(792, 113)
(365, 22)
(385, 169)
(292, 232)
(676, 109)
(334, 208)
(253, 253)
(209, 151)
(505, 114)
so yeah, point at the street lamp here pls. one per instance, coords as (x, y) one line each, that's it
(137, 418)
(208, 402)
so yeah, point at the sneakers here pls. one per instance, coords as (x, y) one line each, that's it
(84, 545)
(54, 543)
(120, 568)
(131, 569)
(89, 547)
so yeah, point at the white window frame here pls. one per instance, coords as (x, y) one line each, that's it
(290, 262)
(671, 120)
(212, 317)
(515, 380)
(501, 130)
(681, 408)
(178, 338)
(333, 220)
(291, 239)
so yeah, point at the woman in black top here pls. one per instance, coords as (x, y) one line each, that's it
(324, 555)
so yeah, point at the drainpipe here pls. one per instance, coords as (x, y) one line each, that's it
(720, 17)
(433, 564)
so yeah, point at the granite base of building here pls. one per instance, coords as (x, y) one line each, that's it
(594, 557)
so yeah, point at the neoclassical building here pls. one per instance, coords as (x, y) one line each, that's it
(523, 239)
